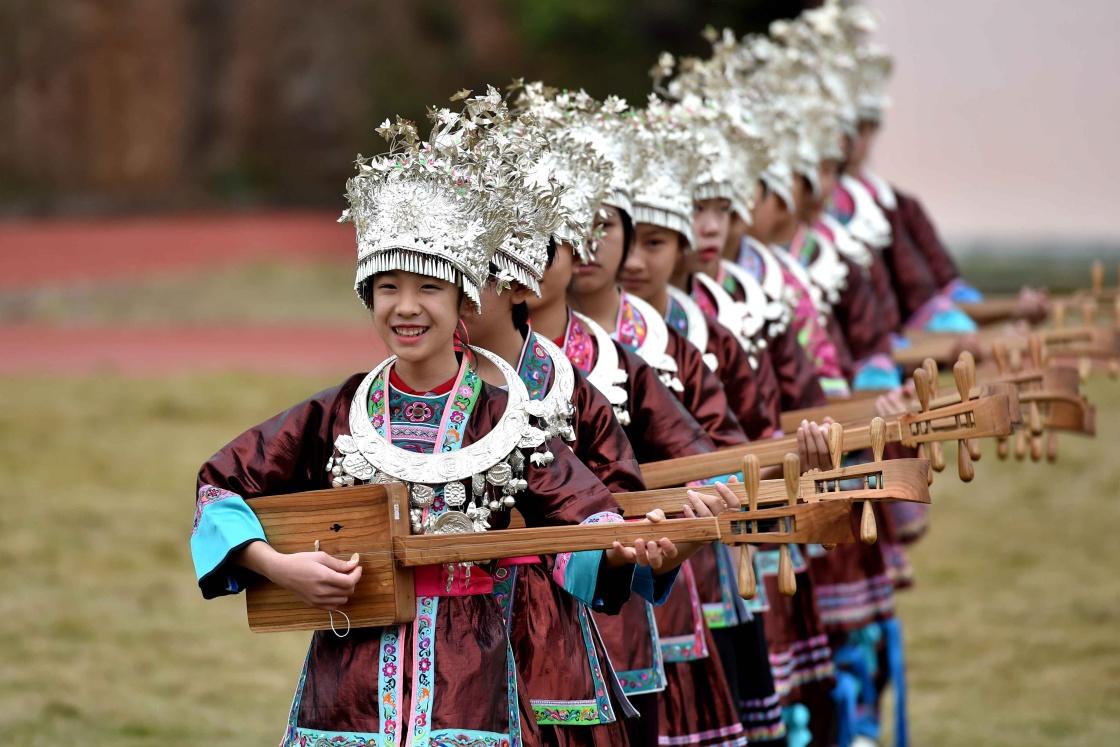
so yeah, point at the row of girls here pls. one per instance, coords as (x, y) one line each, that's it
(570, 288)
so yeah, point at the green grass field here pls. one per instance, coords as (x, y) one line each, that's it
(104, 639)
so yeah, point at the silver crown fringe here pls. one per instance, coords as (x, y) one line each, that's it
(516, 270)
(670, 219)
(419, 264)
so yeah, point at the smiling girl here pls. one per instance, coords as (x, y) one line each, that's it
(426, 227)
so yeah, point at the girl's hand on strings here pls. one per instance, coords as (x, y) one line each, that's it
(660, 555)
(812, 445)
(317, 578)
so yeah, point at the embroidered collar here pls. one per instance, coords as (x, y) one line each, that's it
(592, 351)
(695, 324)
(641, 329)
(368, 454)
(844, 242)
(542, 364)
(868, 223)
(827, 270)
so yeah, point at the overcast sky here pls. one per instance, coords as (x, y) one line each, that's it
(1006, 114)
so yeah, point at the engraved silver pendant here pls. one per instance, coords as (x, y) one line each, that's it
(453, 522)
(454, 494)
(421, 496)
(499, 474)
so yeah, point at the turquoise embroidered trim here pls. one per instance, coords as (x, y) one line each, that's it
(511, 699)
(535, 368)
(389, 682)
(439, 738)
(423, 669)
(566, 712)
(223, 521)
(301, 737)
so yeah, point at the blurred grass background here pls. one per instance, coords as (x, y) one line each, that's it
(104, 639)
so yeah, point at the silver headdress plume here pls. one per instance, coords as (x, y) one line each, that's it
(601, 125)
(666, 166)
(583, 172)
(720, 122)
(426, 206)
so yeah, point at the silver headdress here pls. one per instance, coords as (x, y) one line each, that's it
(576, 160)
(601, 125)
(720, 122)
(666, 167)
(523, 180)
(425, 206)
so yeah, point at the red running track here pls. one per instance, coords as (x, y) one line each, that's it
(53, 252)
(153, 351)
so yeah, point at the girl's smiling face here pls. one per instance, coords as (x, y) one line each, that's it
(416, 315)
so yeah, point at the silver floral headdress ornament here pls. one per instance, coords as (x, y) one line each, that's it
(426, 206)
(574, 117)
(665, 168)
(583, 171)
(719, 121)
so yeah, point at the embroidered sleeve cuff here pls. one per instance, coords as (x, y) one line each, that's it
(876, 372)
(961, 292)
(588, 578)
(654, 588)
(223, 524)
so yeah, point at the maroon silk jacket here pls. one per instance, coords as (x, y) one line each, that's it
(703, 395)
(924, 235)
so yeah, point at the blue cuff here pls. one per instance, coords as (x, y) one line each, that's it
(654, 588)
(965, 293)
(224, 526)
(876, 377)
(951, 320)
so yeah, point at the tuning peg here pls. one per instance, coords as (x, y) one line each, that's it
(748, 583)
(1089, 311)
(1034, 350)
(1058, 313)
(1036, 448)
(964, 389)
(930, 365)
(868, 529)
(878, 438)
(1084, 369)
(1003, 447)
(921, 388)
(836, 443)
(1116, 310)
(999, 352)
(1097, 273)
(1051, 446)
(969, 363)
(1021, 444)
(791, 471)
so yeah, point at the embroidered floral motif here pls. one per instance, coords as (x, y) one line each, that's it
(418, 412)
(677, 318)
(535, 369)
(579, 345)
(388, 683)
(631, 327)
(208, 494)
(423, 676)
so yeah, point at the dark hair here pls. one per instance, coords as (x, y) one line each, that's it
(765, 187)
(627, 235)
(521, 318)
(551, 250)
